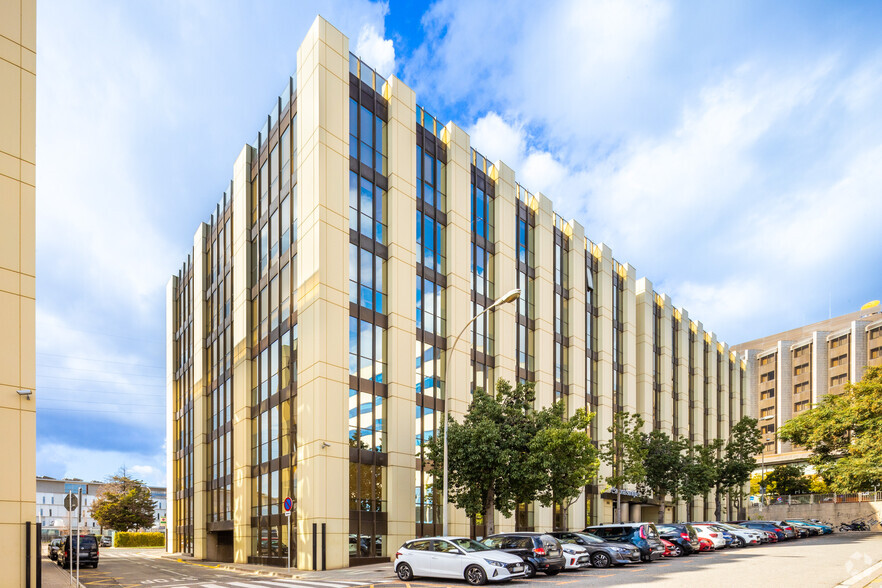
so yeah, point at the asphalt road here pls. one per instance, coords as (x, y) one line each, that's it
(818, 561)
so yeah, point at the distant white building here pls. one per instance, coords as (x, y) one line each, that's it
(51, 493)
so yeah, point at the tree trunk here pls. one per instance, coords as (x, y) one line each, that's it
(718, 499)
(489, 512)
(661, 509)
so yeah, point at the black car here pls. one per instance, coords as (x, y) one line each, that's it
(644, 536)
(769, 526)
(541, 552)
(603, 554)
(683, 536)
(53, 548)
(88, 552)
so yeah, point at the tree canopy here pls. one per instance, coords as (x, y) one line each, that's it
(123, 504)
(844, 435)
(505, 453)
(625, 452)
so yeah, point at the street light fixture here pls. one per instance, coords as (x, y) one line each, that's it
(509, 297)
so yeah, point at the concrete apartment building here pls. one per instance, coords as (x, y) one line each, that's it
(53, 517)
(790, 372)
(18, 85)
(310, 327)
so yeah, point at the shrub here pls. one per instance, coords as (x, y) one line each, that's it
(124, 539)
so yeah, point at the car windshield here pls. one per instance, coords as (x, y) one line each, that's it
(591, 538)
(470, 545)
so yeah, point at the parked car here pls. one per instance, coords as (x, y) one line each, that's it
(644, 536)
(821, 527)
(710, 532)
(669, 548)
(575, 556)
(53, 547)
(705, 544)
(744, 535)
(455, 557)
(810, 530)
(106, 541)
(87, 552)
(770, 526)
(541, 552)
(683, 536)
(603, 554)
(798, 532)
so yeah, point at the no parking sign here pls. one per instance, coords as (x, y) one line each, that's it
(288, 504)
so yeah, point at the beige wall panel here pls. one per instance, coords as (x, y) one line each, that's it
(458, 291)
(200, 412)
(505, 267)
(605, 374)
(28, 258)
(10, 224)
(11, 19)
(576, 351)
(667, 366)
(10, 337)
(28, 113)
(10, 108)
(645, 301)
(401, 289)
(323, 285)
(629, 339)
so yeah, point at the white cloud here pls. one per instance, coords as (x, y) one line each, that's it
(374, 50)
(69, 461)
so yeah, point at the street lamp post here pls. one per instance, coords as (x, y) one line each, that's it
(509, 297)
(763, 461)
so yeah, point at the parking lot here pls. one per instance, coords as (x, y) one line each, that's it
(817, 561)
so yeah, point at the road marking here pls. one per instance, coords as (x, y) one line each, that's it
(861, 576)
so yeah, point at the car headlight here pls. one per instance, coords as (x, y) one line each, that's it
(497, 564)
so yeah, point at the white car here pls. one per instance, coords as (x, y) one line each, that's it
(744, 535)
(708, 532)
(455, 557)
(576, 556)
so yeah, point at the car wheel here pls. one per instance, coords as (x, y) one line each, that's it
(677, 551)
(404, 571)
(741, 542)
(475, 576)
(529, 570)
(600, 560)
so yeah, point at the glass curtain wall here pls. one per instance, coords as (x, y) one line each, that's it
(561, 321)
(431, 316)
(368, 253)
(274, 332)
(183, 410)
(482, 251)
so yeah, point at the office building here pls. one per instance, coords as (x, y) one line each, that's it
(792, 371)
(53, 516)
(18, 87)
(310, 327)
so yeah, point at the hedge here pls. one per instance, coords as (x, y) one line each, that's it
(122, 539)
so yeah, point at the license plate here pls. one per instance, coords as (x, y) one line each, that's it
(517, 568)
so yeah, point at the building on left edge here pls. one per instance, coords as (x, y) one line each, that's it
(18, 423)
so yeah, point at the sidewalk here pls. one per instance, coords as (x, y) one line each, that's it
(369, 573)
(53, 576)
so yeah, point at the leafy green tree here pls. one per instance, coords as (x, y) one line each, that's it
(737, 461)
(489, 453)
(844, 434)
(624, 451)
(123, 504)
(789, 479)
(663, 465)
(563, 453)
(699, 470)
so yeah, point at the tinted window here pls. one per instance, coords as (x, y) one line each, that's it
(470, 545)
(445, 547)
(494, 542)
(523, 543)
(549, 541)
(419, 545)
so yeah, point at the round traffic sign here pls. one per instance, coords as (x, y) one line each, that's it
(70, 502)
(288, 504)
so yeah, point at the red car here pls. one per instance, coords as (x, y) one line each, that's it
(669, 548)
(706, 544)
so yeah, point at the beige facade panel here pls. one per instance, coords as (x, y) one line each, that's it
(17, 288)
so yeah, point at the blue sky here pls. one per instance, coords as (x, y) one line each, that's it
(730, 151)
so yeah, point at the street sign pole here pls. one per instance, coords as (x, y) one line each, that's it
(69, 536)
(79, 518)
(287, 504)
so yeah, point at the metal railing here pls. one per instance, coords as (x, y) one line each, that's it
(870, 496)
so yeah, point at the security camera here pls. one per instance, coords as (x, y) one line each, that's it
(26, 393)
(325, 444)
